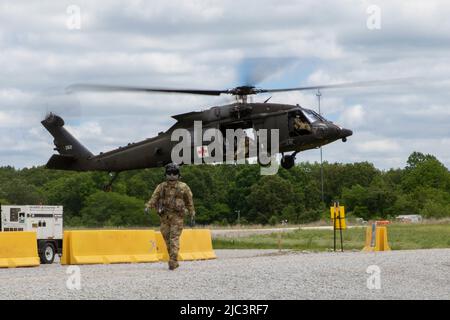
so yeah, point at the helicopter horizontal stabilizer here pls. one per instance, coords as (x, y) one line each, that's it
(59, 162)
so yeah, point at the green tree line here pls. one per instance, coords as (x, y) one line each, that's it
(224, 192)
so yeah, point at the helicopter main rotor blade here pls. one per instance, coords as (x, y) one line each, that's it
(238, 91)
(113, 88)
(338, 85)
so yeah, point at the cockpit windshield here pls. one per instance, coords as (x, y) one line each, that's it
(311, 115)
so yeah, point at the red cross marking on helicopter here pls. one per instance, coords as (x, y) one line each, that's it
(202, 151)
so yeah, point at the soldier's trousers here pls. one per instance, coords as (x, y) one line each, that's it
(171, 227)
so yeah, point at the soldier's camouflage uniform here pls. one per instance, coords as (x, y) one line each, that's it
(172, 199)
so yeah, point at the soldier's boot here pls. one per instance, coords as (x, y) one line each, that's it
(173, 265)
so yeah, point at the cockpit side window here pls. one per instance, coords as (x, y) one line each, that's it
(299, 124)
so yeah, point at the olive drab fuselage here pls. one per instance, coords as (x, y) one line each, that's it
(315, 131)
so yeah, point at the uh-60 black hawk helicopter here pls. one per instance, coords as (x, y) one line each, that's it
(299, 129)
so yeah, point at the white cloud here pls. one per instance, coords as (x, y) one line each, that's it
(353, 117)
(377, 146)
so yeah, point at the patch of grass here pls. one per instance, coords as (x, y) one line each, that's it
(400, 237)
(424, 236)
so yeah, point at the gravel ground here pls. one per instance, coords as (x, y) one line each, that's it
(246, 274)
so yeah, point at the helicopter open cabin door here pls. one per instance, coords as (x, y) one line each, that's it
(238, 137)
(258, 136)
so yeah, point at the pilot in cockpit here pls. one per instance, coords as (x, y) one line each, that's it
(300, 125)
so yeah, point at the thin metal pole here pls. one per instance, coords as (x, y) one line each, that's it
(334, 226)
(318, 94)
(340, 226)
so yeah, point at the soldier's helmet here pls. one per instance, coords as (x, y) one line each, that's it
(172, 169)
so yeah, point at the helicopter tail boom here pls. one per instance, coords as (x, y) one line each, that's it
(69, 148)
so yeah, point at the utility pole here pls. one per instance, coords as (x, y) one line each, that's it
(319, 95)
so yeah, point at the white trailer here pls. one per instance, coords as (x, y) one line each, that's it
(46, 221)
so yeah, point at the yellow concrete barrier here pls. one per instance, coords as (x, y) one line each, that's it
(109, 246)
(65, 258)
(195, 244)
(376, 239)
(18, 249)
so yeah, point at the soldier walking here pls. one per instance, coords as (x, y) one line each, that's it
(171, 199)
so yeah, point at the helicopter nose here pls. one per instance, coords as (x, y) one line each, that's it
(346, 133)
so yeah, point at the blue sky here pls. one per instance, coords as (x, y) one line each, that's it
(207, 44)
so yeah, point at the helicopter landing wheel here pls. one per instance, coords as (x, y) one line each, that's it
(287, 162)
